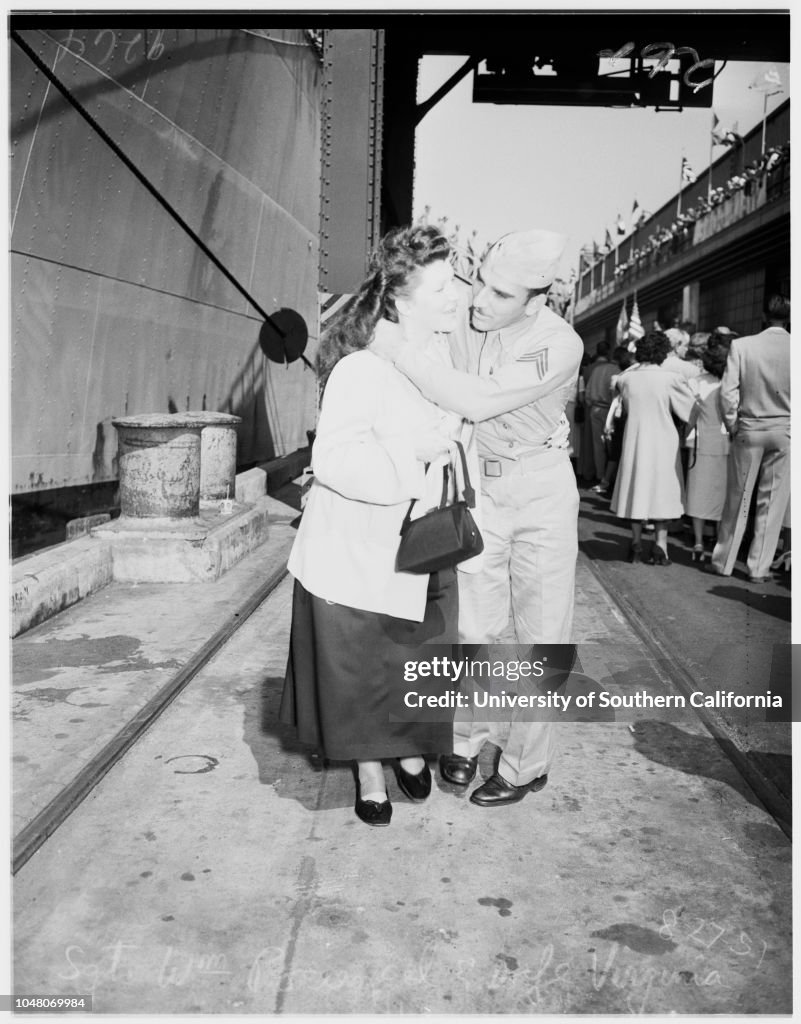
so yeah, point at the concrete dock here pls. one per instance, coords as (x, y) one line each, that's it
(218, 867)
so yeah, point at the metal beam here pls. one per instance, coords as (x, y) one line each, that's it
(424, 107)
(352, 118)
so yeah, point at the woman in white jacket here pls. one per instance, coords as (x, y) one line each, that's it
(379, 444)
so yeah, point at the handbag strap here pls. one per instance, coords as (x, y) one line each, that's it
(442, 501)
(468, 492)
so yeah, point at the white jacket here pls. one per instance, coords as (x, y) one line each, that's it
(365, 474)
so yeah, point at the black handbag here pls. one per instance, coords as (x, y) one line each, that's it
(444, 536)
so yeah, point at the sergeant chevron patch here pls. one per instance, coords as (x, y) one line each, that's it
(540, 360)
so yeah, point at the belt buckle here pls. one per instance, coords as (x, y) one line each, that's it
(492, 467)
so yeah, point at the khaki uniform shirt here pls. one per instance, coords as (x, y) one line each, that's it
(514, 383)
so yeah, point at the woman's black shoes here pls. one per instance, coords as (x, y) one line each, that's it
(371, 812)
(659, 556)
(635, 553)
(416, 787)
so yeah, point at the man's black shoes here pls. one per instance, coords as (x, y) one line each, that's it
(496, 791)
(459, 771)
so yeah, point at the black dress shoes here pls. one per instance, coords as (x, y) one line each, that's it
(496, 790)
(416, 787)
(635, 553)
(370, 811)
(460, 771)
(659, 556)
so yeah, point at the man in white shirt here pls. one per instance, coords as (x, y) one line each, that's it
(516, 365)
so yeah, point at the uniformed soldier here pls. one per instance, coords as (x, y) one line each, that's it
(516, 365)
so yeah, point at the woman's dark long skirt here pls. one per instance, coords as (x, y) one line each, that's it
(344, 689)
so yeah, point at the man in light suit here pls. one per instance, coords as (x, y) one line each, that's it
(516, 365)
(755, 406)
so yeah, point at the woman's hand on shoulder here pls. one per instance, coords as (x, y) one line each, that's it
(560, 438)
(388, 340)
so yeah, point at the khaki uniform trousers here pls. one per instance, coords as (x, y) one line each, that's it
(529, 525)
(759, 457)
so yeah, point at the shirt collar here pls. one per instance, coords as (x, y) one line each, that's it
(516, 336)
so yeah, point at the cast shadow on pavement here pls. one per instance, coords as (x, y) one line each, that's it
(297, 772)
(607, 547)
(610, 547)
(778, 768)
(605, 519)
(293, 769)
(775, 605)
(666, 744)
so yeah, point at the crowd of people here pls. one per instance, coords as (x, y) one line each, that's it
(677, 431)
(669, 238)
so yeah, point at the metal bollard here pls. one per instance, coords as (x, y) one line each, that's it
(217, 454)
(159, 464)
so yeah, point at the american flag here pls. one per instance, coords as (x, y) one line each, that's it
(636, 329)
(768, 81)
(621, 331)
(330, 304)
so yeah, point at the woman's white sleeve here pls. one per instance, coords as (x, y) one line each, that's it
(349, 456)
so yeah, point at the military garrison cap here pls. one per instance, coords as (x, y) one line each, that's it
(528, 258)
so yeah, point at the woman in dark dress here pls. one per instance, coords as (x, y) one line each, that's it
(379, 444)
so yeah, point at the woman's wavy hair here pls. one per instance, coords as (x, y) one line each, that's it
(653, 348)
(400, 253)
